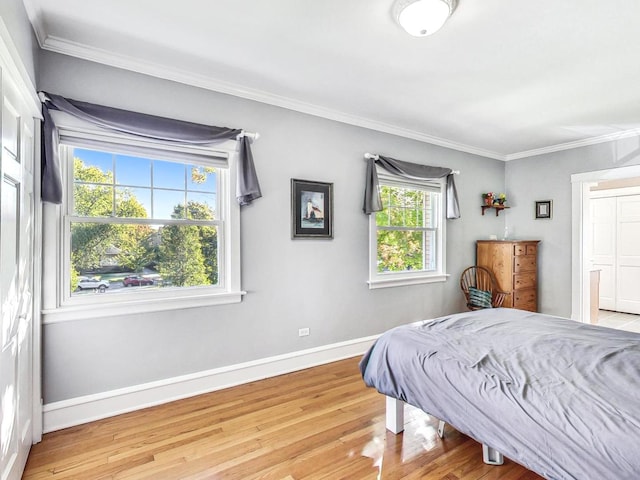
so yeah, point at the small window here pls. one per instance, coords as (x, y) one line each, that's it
(407, 236)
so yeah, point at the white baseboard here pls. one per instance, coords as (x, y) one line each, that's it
(75, 411)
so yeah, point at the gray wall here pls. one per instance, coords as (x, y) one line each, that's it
(548, 177)
(15, 18)
(84, 357)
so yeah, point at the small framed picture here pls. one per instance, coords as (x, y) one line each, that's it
(311, 209)
(543, 209)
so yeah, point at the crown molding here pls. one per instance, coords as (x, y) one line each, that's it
(610, 137)
(66, 47)
(33, 13)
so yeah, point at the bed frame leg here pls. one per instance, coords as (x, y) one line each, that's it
(395, 415)
(491, 456)
(441, 425)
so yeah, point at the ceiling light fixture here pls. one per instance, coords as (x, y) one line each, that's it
(423, 17)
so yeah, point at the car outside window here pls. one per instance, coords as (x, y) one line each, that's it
(138, 221)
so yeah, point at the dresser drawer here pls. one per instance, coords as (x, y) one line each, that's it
(525, 249)
(523, 298)
(524, 263)
(524, 280)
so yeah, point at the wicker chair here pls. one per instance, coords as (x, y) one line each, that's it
(482, 279)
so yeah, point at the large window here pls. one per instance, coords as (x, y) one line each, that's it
(407, 236)
(146, 224)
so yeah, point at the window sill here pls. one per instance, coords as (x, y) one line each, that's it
(110, 309)
(404, 281)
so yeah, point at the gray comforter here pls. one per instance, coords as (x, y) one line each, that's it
(560, 397)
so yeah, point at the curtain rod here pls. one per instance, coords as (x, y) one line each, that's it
(373, 156)
(252, 135)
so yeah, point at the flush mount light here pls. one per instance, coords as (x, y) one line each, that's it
(423, 17)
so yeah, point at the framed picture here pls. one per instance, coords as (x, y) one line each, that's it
(311, 209)
(543, 209)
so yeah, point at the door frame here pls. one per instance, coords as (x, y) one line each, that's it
(12, 65)
(580, 235)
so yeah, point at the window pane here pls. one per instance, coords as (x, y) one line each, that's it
(168, 204)
(201, 206)
(400, 251)
(133, 171)
(111, 258)
(169, 175)
(92, 166)
(382, 218)
(202, 179)
(90, 200)
(133, 202)
(396, 216)
(417, 218)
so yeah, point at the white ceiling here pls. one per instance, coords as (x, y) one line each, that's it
(504, 79)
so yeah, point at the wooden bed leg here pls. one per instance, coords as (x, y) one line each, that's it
(395, 415)
(441, 425)
(491, 456)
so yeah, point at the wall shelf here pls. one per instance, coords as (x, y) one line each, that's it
(498, 208)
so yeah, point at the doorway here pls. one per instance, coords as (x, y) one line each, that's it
(582, 248)
(615, 243)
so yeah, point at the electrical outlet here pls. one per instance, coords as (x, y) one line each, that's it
(303, 332)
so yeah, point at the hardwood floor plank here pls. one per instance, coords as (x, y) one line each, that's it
(319, 423)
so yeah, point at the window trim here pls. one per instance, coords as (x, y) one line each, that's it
(59, 306)
(397, 279)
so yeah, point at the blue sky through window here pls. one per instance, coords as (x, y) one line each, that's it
(155, 183)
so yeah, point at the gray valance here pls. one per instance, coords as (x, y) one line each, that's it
(141, 125)
(414, 171)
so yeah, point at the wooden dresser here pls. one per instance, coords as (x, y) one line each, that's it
(515, 265)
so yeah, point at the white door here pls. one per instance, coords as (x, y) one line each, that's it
(16, 282)
(628, 255)
(603, 245)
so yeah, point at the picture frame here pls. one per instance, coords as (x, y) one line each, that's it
(311, 209)
(544, 209)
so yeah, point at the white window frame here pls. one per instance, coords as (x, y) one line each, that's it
(58, 303)
(397, 279)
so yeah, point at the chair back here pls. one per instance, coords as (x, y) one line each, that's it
(483, 279)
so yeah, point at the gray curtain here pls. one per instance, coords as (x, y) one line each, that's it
(142, 125)
(414, 171)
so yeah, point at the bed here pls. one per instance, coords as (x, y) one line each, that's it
(560, 397)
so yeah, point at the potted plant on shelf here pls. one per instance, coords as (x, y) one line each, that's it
(502, 198)
(488, 198)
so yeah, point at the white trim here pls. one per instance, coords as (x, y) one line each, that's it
(15, 73)
(580, 220)
(75, 411)
(111, 308)
(14, 68)
(610, 137)
(34, 12)
(37, 292)
(616, 192)
(401, 282)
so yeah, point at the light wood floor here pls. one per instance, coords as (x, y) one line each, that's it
(320, 423)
